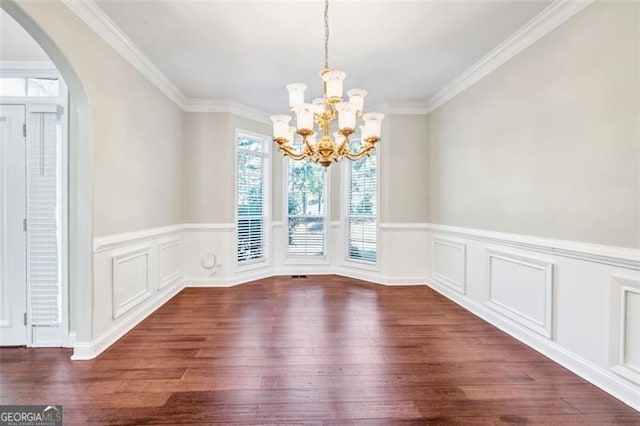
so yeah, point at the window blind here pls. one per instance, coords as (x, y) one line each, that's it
(362, 190)
(306, 206)
(251, 198)
(43, 219)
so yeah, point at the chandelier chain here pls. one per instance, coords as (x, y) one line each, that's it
(326, 34)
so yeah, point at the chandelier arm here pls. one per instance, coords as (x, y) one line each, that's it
(292, 154)
(342, 149)
(308, 146)
(358, 155)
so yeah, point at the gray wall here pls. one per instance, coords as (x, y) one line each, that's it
(209, 165)
(546, 145)
(207, 173)
(403, 162)
(549, 143)
(136, 129)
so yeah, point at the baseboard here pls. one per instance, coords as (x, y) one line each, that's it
(358, 274)
(404, 281)
(90, 350)
(377, 278)
(207, 282)
(600, 377)
(71, 340)
(238, 278)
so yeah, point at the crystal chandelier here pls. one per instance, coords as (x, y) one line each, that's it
(323, 112)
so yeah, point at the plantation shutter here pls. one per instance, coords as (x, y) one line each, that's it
(362, 206)
(306, 217)
(43, 218)
(251, 200)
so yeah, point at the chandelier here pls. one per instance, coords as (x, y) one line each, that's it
(332, 147)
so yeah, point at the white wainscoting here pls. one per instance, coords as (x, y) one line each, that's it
(450, 263)
(207, 252)
(625, 345)
(210, 253)
(169, 262)
(405, 256)
(403, 250)
(130, 284)
(136, 272)
(133, 274)
(578, 304)
(521, 288)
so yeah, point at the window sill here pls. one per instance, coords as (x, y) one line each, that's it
(252, 265)
(306, 260)
(354, 264)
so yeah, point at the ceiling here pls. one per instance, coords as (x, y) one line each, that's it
(249, 50)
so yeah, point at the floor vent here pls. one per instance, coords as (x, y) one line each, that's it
(298, 276)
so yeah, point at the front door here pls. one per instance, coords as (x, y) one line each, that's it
(13, 282)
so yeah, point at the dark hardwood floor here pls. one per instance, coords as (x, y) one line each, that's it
(323, 350)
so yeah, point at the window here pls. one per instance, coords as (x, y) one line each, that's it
(362, 206)
(252, 187)
(29, 87)
(306, 207)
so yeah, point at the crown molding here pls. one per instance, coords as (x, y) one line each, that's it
(540, 25)
(403, 108)
(226, 105)
(206, 105)
(248, 112)
(92, 15)
(550, 18)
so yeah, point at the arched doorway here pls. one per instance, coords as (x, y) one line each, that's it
(80, 182)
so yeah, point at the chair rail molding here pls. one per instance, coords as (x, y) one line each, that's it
(609, 255)
(110, 242)
(228, 227)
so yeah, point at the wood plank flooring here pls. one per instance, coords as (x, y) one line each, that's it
(325, 350)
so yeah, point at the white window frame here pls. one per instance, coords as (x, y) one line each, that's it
(266, 197)
(34, 69)
(345, 188)
(301, 259)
